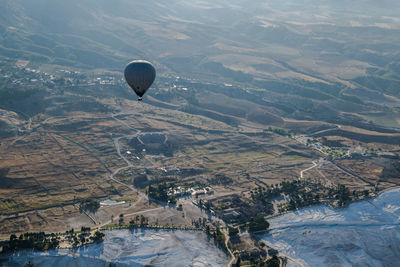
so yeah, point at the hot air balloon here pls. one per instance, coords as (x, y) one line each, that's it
(140, 74)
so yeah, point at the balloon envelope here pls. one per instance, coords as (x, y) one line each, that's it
(140, 75)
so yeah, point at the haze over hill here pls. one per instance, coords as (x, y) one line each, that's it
(316, 58)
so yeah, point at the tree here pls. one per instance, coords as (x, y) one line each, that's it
(233, 231)
(98, 236)
(90, 204)
(208, 230)
(142, 220)
(121, 219)
(172, 199)
(343, 194)
(85, 229)
(273, 262)
(258, 224)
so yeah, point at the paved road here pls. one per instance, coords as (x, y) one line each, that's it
(310, 168)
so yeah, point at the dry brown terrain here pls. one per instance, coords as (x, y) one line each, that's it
(58, 160)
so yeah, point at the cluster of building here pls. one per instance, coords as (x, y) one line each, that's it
(59, 77)
(194, 191)
(315, 144)
(108, 80)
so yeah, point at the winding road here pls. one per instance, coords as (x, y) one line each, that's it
(129, 164)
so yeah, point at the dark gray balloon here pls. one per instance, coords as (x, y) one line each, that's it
(140, 75)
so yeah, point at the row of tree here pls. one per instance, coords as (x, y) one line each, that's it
(36, 241)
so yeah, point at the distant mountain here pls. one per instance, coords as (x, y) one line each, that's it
(331, 57)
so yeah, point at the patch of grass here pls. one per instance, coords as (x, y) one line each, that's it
(126, 199)
(386, 121)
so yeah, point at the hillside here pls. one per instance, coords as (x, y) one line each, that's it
(338, 67)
